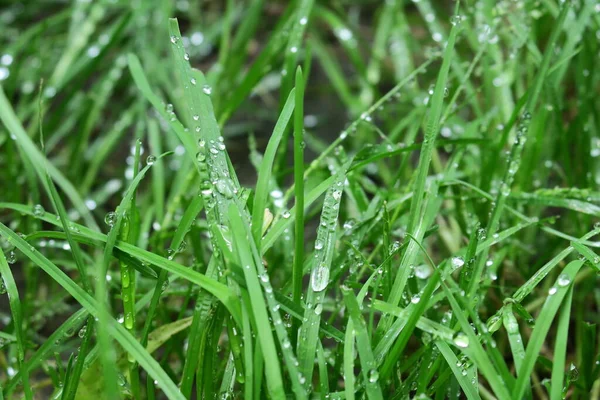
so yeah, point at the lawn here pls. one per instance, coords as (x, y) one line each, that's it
(263, 199)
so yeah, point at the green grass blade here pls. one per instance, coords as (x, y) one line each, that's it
(91, 305)
(544, 320)
(560, 347)
(266, 168)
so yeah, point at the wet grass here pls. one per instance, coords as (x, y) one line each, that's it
(309, 200)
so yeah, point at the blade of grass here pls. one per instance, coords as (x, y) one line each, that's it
(544, 320)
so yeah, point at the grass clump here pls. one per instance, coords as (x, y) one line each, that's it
(330, 200)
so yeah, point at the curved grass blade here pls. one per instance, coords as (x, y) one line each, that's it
(363, 344)
(560, 347)
(129, 343)
(266, 168)
(544, 320)
(39, 162)
(217, 289)
(452, 361)
(7, 281)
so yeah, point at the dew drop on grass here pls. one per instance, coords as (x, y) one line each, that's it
(461, 340)
(319, 309)
(422, 271)
(196, 117)
(457, 262)
(173, 39)
(455, 20)
(170, 254)
(11, 258)
(128, 320)
(207, 89)
(303, 21)
(224, 188)
(38, 210)
(318, 245)
(319, 278)
(573, 373)
(293, 49)
(373, 376)
(186, 56)
(150, 160)
(193, 81)
(415, 299)
(552, 291)
(563, 280)
(82, 331)
(110, 218)
(286, 214)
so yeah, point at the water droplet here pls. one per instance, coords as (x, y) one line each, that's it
(193, 81)
(293, 49)
(110, 218)
(303, 21)
(286, 343)
(196, 117)
(224, 188)
(286, 214)
(318, 245)
(170, 254)
(552, 291)
(415, 299)
(11, 258)
(457, 262)
(319, 309)
(563, 280)
(461, 340)
(319, 278)
(150, 160)
(207, 89)
(455, 20)
(422, 271)
(186, 56)
(82, 331)
(373, 376)
(38, 210)
(173, 39)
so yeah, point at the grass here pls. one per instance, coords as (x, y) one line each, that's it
(268, 199)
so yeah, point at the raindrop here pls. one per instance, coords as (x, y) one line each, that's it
(415, 299)
(38, 210)
(461, 340)
(422, 271)
(319, 278)
(110, 218)
(457, 262)
(318, 245)
(82, 332)
(150, 160)
(207, 89)
(552, 291)
(11, 258)
(373, 376)
(319, 309)
(193, 81)
(563, 280)
(286, 214)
